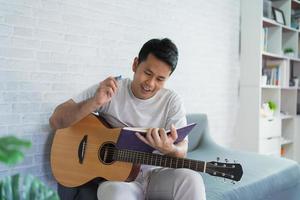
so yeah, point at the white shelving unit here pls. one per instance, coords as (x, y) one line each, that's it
(263, 42)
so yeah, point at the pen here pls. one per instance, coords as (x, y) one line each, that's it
(118, 77)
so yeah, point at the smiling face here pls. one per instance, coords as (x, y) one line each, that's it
(149, 76)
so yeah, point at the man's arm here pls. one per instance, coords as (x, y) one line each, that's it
(70, 112)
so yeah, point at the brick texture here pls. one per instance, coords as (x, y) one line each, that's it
(52, 49)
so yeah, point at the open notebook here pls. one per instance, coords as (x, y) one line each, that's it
(128, 139)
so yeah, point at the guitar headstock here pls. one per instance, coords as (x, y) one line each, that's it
(232, 171)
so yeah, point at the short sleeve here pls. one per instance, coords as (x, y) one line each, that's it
(87, 94)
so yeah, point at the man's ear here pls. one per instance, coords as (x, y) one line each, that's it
(135, 64)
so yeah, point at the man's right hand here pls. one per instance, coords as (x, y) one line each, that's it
(105, 91)
(70, 112)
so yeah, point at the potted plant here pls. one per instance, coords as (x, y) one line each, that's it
(272, 106)
(289, 52)
(17, 187)
(268, 109)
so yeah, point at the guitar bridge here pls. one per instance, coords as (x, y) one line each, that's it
(81, 149)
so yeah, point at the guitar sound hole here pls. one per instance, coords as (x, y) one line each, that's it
(106, 153)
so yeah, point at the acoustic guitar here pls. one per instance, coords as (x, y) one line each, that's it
(87, 150)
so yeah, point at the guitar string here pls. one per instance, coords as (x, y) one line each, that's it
(144, 155)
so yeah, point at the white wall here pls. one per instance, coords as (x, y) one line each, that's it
(51, 49)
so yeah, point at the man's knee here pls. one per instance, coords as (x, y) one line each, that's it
(190, 177)
(109, 189)
(119, 190)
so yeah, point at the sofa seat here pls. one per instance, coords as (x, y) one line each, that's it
(264, 177)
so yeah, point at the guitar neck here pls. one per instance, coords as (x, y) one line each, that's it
(158, 160)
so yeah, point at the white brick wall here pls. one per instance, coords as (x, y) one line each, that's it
(50, 49)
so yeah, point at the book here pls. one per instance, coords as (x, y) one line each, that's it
(128, 139)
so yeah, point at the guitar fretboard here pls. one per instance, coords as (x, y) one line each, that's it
(157, 160)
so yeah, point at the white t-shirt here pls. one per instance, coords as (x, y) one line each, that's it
(124, 109)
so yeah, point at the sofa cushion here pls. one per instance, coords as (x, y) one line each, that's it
(264, 177)
(196, 134)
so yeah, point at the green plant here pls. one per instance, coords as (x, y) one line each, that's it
(18, 187)
(272, 105)
(288, 50)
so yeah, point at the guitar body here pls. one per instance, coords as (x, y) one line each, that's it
(75, 154)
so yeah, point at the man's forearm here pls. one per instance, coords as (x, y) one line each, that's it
(70, 112)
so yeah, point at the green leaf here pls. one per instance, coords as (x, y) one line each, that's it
(27, 187)
(272, 105)
(10, 149)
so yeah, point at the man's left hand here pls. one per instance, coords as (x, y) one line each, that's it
(160, 140)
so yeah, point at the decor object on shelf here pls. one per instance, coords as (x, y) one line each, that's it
(278, 15)
(295, 19)
(272, 105)
(289, 52)
(268, 9)
(268, 109)
(264, 79)
(296, 81)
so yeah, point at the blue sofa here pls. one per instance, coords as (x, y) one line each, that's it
(264, 178)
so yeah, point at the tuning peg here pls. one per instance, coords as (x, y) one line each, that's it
(235, 161)
(226, 160)
(224, 180)
(233, 182)
(218, 159)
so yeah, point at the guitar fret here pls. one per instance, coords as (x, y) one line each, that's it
(175, 162)
(155, 159)
(151, 160)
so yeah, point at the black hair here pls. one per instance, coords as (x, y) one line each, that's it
(163, 49)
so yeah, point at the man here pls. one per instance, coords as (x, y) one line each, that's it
(142, 102)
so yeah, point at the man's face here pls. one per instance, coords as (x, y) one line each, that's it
(149, 77)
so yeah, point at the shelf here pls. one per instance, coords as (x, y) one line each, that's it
(287, 28)
(270, 87)
(283, 116)
(285, 141)
(275, 56)
(289, 88)
(267, 22)
(262, 53)
(295, 59)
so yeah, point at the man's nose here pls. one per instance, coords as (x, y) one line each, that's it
(151, 81)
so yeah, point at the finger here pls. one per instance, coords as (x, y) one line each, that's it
(149, 136)
(142, 138)
(111, 82)
(155, 136)
(173, 134)
(163, 134)
(109, 92)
